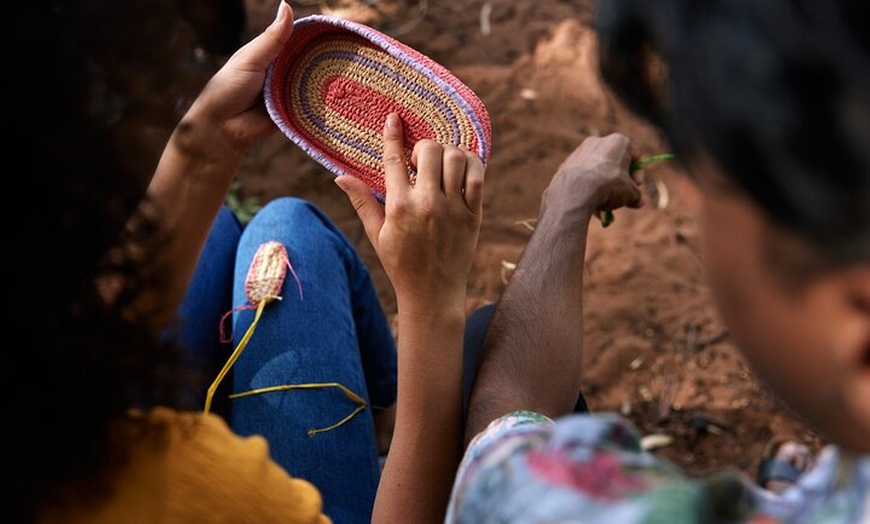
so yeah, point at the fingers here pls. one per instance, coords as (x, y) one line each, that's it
(636, 199)
(615, 147)
(440, 169)
(257, 54)
(638, 176)
(237, 87)
(474, 177)
(427, 157)
(395, 167)
(455, 173)
(455, 165)
(367, 207)
(596, 177)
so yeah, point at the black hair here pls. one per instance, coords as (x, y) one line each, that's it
(777, 93)
(90, 101)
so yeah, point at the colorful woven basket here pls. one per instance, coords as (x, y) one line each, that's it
(332, 86)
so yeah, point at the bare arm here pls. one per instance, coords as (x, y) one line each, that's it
(533, 349)
(203, 155)
(425, 236)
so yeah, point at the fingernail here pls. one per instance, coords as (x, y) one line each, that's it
(339, 181)
(282, 11)
(392, 122)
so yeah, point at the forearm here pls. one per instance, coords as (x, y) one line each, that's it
(186, 192)
(427, 441)
(532, 354)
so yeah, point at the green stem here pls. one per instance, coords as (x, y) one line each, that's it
(640, 163)
(606, 216)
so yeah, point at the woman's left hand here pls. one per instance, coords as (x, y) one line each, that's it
(231, 102)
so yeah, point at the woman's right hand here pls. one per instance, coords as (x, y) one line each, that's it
(426, 232)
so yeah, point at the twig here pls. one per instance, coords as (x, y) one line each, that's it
(506, 269)
(715, 338)
(527, 223)
(640, 163)
(485, 24)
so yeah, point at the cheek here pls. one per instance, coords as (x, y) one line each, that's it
(727, 240)
(737, 289)
(777, 334)
(691, 194)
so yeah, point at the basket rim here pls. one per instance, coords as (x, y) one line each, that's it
(458, 93)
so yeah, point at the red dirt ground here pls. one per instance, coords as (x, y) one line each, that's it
(656, 350)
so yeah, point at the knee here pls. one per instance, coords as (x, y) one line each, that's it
(291, 211)
(290, 207)
(288, 217)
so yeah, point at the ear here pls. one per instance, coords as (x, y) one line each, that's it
(856, 342)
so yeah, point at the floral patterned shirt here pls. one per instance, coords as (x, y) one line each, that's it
(527, 468)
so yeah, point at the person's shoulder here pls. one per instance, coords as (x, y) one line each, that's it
(212, 469)
(583, 465)
(197, 432)
(204, 441)
(588, 428)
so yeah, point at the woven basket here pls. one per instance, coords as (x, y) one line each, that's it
(335, 81)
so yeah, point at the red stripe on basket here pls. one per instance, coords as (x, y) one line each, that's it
(369, 108)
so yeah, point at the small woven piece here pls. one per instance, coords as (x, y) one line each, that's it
(264, 281)
(334, 83)
(266, 273)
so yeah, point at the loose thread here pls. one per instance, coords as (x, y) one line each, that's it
(314, 385)
(314, 431)
(293, 272)
(224, 335)
(236, 352)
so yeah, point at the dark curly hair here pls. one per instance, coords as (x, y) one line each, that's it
(776, 92)
(94, 97)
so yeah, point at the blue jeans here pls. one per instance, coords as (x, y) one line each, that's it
(335, 333)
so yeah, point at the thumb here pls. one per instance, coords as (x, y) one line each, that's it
(367, 207)
(257, 54)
